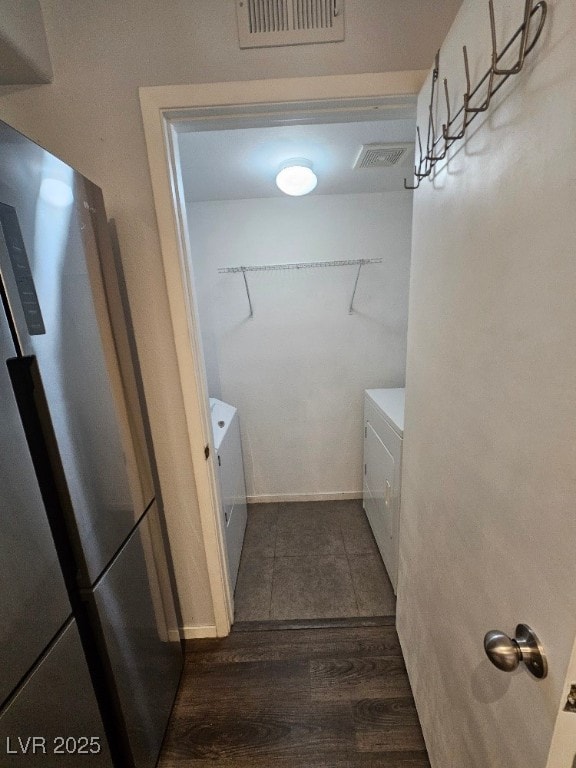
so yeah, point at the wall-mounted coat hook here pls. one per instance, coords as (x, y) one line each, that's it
(445, 134)
(413, 186)
(542, 8)
(436, 158)
(523, 41)
(486, 103)
(431, 137)
(421, 174)
(431, 134)
(417, 168)
(492, 81)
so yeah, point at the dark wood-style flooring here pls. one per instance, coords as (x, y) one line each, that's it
(312, 675)
(268, 696)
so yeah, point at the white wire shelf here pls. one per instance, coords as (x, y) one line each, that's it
(300, 265)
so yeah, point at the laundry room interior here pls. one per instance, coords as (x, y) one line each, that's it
(302, 305)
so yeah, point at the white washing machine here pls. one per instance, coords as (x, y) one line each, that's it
(226, 430)
(383, 435)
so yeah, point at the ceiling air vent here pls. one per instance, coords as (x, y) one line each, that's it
(264, 23)
(382, 155)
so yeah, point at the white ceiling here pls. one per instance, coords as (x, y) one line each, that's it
(242, 163)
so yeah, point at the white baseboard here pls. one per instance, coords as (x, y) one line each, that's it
(271, 498)
(196, 633)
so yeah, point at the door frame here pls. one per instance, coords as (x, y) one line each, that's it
(165, 110)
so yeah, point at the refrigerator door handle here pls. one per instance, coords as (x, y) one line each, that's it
(35, 417)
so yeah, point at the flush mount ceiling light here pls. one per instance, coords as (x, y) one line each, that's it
(296, 177)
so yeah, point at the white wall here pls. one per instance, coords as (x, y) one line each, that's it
(297, 369)
(24, 56)
(488, 526)
(101, 52)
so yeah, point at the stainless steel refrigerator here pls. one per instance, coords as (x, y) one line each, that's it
(90, 656)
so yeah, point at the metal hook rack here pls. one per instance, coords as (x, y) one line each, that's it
(493, 80)
(300, 265)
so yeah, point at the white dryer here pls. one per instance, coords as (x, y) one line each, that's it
(383, 435)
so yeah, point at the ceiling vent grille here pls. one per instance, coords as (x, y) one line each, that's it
(382, 155)
(264, 23)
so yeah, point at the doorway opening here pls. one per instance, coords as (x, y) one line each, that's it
(278, 344)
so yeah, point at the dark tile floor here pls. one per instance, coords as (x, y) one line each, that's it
(310, 560)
